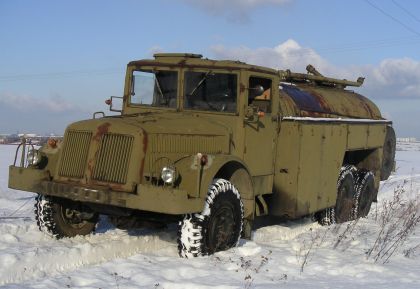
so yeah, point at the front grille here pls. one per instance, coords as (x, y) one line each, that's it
(75, 153)
(113, 158)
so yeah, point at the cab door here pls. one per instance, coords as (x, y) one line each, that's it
(261, 130)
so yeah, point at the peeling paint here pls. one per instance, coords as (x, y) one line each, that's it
(145, 144)
(102, 129)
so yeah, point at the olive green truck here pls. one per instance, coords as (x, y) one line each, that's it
(213, 144)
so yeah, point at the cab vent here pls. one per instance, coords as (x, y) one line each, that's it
(184, 55)
(172, 143)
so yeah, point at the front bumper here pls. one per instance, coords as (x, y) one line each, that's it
(147, 197)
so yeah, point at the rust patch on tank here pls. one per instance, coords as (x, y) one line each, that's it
(101, 130)
(368, 109)
(305, 113)
(365, 105)
(345, 110)
(322, 102)
(305, 100)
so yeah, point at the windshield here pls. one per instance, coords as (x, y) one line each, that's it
(154, 88)
(210, 91)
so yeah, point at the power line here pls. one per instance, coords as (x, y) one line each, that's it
(406, 10)
(393, 18)
(350, 47)
(346, 47)
(363, 45)
(60, 74)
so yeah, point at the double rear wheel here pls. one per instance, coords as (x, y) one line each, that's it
(365, 193)
(355, 194)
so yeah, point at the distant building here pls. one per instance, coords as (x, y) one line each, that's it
(32, 138)
(406, 139)
(27, 135)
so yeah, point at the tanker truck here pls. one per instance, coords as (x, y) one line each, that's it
(212, 145)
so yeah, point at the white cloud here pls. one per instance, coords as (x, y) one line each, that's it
(391, 78)
(288, 54)
(402, 76)
(53, 104)
(235, 10)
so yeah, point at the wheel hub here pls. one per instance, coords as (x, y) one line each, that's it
(222, 227)
(74, 218)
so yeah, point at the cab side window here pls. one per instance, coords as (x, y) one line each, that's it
(259, 93)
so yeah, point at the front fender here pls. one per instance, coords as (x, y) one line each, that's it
(196, 178)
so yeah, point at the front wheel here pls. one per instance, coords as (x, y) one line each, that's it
(218, 227)
(59, 218)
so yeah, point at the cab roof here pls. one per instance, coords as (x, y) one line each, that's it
(191, 60)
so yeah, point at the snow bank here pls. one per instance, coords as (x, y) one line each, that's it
(332, 257)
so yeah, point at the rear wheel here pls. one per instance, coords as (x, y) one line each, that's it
(365, 193)
(388, 157)
(343, 209)
(60, 218)
(218, 227)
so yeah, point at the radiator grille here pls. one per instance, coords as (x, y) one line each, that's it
(113, 158)
(75, 153)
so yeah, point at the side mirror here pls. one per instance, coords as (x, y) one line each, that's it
(115, 103)
(257, 90)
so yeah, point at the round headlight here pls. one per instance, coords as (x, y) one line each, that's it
(168, 175)
(33, 157)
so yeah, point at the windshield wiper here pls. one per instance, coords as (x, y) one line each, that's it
(200, 83)
(158, 86)
(132, 85)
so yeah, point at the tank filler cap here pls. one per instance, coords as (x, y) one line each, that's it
(183, 55)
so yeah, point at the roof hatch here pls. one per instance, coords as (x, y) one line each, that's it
(184, 55)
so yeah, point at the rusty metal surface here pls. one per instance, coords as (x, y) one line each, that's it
(313, 101)
(305, 100)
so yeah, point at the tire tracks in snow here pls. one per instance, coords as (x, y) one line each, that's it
(28, 254)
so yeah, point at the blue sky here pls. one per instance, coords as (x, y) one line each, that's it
(59, 60)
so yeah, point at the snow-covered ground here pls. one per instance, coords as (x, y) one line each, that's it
(298, 254)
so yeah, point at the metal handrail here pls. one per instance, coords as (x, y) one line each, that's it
(315, 76)
(22, 145)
